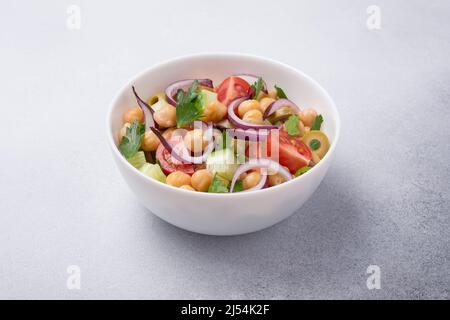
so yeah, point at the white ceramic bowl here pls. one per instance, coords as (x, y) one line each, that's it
(224, 214)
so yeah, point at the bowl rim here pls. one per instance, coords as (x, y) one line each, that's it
(286, 184)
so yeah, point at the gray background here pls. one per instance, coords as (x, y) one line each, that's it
(385, 200)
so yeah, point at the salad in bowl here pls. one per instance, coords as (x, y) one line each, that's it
(237, 136)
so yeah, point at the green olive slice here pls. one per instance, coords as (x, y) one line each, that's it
(317, 141)
(281, 114)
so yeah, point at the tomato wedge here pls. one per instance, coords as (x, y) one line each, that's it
(292, 152)
(232, 88)
(168, 163)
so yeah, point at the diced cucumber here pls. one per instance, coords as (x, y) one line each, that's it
(153, 171)
(207, 96)
(138, 159)
(222, 162)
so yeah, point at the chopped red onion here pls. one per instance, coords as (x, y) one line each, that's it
(147, 110)
(250, 134)
(260, 163)
(277, 104)
(238, 122)
(173, 88)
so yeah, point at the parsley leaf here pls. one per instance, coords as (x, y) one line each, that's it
(238, 186)
(302, 170)
(131, 141)
(257, 87)
(292, 125)
(217, 185)
(189, 106)
(280, 93)
(317, 122)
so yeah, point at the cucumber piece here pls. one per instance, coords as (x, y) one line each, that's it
(207, 96)
(153, 171)
(138, 159)
(222, 162)
(317, 141)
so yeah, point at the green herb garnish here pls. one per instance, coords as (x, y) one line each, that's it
(238, 186)
(292, 125)
(189, 106)
(302, 170)
(314, 144)
(131, 141)
(280, 93)
(257, 87)
(317, 122)
(217, 185)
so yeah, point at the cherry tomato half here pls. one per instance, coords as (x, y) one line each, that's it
(292, 152)
(232, 88)
(168, 163)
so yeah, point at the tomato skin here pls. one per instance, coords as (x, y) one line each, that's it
(292, 152)
(166, 161)
(232, 88)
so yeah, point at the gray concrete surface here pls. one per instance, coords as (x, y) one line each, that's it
(384, 202)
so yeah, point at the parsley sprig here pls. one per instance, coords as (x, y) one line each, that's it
(280, 93)
(217, 185)
(189, 106)
(302, 170)
(317, 122)
(131, 141)
(257, 87)
(292, 125)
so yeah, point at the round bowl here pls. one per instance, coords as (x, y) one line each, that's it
(224, 214)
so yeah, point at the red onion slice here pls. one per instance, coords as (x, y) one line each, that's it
(251, 78)
(147, 110)
(260, 163)
(173, 88)
(238, 122)
(180, 151)
(280, 103)
(251, 134)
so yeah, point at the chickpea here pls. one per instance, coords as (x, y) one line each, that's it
(265, 103)
(166, 117)
(195, 140)
(133, 114)
(246, 106)
(178, 179)
(201, 180)
(221, 111)
(187, 187)
(167, 134)
(150, 141)
(214, 111)
(275, 179)
(307, 116)
(253, 117)
(242, 175)
(251, 180)
(123, 130)
(273, 94)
